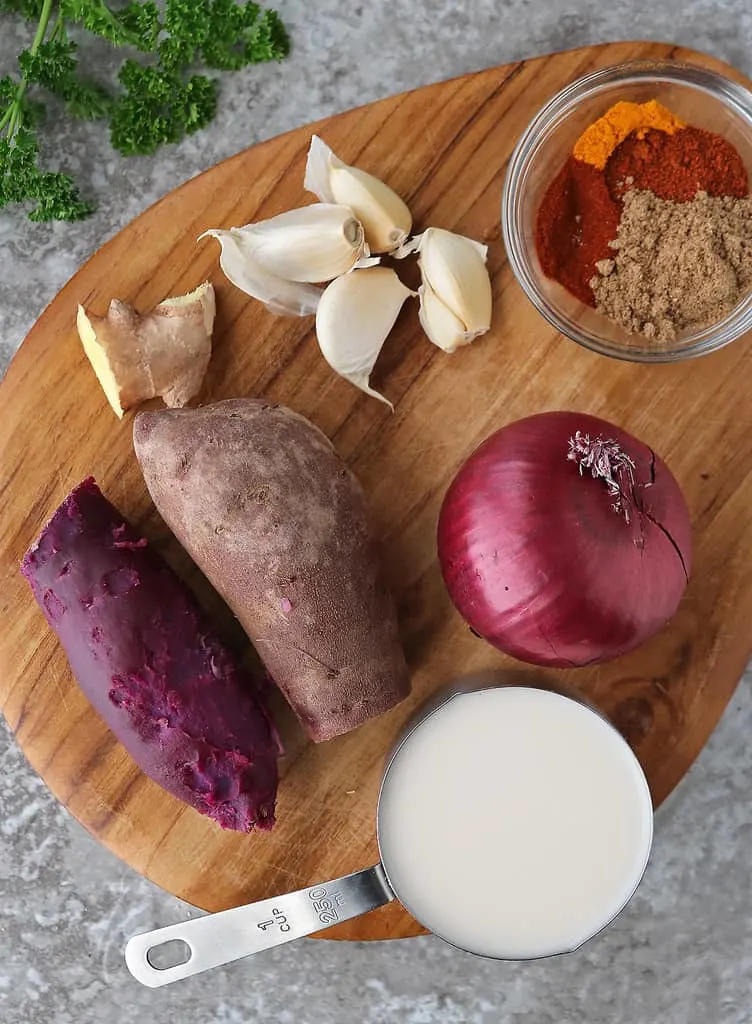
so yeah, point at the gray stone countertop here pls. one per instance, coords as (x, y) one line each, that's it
(682, 953)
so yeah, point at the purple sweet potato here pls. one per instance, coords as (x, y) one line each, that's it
(269, 512)
(144, 654)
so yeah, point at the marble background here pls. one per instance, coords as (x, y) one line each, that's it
(682, 953)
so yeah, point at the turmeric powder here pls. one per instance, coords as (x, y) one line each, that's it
(597, 143)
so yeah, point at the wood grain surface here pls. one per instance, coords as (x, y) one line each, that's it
(444, 148)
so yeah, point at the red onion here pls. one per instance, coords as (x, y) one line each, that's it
(563, 540)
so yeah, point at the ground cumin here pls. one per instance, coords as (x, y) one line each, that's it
(597, 143)
(676, 265)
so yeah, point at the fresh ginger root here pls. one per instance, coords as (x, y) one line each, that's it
(139, 356)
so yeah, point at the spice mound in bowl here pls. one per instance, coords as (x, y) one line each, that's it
(627, 211)
(650, 221)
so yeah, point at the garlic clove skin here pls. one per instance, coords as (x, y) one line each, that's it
(284, 297)
(385, 217)
(455, 269)
(408, 247)
(353, 319)
(439, 323)
(318, 169)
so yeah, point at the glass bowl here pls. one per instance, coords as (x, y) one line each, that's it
(702, 99)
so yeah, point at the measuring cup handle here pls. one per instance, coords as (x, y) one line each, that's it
(217, 939)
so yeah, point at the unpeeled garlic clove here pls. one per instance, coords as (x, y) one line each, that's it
(454, 269)
(385, 217)
(315, 243)
(439, 323)
(354, 317)
(284, 297)
(278, 260)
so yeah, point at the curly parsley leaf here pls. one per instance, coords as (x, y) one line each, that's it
(160, 100)
(136, 24)
(55, 195)
(142, 20)
(228, 36)
(175, 54)
(158, 107)
(54, 67)
(30, 9)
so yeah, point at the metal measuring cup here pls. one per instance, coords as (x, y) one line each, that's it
(222, 938)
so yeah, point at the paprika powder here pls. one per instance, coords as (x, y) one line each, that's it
(677, 167)
(577, 220)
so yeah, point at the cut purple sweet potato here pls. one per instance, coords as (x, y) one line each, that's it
(145, 655)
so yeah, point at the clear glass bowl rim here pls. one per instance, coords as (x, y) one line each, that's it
(732, 94)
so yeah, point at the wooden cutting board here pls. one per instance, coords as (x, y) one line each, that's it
(445, 149)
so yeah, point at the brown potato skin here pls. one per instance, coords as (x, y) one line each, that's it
(259, 498)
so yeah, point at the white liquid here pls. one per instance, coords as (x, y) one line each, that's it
(515, 823)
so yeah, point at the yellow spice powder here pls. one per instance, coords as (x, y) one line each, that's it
(597, 143)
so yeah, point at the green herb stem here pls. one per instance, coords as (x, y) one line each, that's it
(58, 29)
(44, 19)
(14, 112)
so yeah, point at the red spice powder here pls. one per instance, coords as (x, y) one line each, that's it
(677, 166)
(576, 220)
(580, 212)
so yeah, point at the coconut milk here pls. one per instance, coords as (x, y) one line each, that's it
(515, 822)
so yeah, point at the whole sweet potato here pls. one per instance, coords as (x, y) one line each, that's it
(145, 656)
(266, 508)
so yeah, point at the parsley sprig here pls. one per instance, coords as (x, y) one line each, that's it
(159, 100)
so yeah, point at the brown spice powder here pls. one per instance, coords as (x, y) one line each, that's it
(676, 265)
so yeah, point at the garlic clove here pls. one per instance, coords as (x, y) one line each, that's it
(455, 269)
(354, 317)
(439, 323)
(385, 217)
(314, 243)
(288, 298)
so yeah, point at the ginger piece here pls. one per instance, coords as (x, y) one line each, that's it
(139, 356)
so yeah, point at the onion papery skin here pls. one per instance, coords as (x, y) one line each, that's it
(537, 561)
